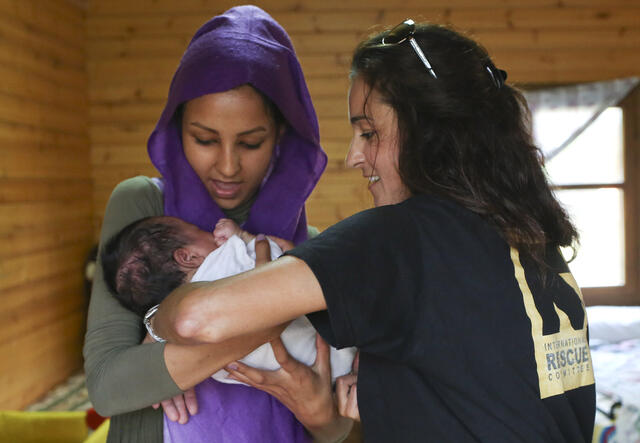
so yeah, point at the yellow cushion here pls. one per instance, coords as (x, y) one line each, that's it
(37, 427)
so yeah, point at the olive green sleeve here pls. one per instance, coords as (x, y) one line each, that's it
(312, 231)
(123, 375)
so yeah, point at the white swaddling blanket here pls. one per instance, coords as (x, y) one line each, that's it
(234, 257)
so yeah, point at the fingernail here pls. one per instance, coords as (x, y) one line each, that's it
(233, 366)
(260, 237)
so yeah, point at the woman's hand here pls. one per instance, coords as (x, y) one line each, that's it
(180, 407)
(285, 245)
(347, 392)
(305, 390)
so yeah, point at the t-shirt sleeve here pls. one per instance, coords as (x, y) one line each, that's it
(123, 375)
(368, 267)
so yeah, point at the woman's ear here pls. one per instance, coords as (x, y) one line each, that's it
(186, 258)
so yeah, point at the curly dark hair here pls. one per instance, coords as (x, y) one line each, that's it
(138, 263)
(465, 135)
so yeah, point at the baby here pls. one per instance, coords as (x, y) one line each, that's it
(149, 258)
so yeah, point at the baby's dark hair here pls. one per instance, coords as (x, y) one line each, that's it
(138, 263)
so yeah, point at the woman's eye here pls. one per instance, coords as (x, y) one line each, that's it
(367, 135)
(251, 145)
(204, 142)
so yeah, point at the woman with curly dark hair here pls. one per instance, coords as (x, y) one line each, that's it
(469, 323)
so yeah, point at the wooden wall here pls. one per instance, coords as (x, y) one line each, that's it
(45, 195)
(134, 47)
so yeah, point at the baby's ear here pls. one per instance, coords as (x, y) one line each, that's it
(187, 258)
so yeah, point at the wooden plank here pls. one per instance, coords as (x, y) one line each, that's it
(576, 18)
(72, 12)
(27, 160)
(326, 43)
(119, 154)
(552, 39)
(105, 26)
(48, 237)
(48, 18)
(35, 214)
(138, 47)
(37, 89)
(40, 303)
(40, 359)
(135, 91)
(117, 133)
(47, 116)
(334, 87)
(46, 289)
(16, 133)
(126, 112)
(158, 69)
(23, 269)
(23, 34)
(332, 129)
(508, 18)
(357, 21)
(13, 190)
(337, 149)
(35, 61)
(338, 106)
(599, 3)
(538, 66)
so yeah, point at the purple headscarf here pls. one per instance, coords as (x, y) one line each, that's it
(243, 45)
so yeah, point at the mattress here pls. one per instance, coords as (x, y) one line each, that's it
(615, 353)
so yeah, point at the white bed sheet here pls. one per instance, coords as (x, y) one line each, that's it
(615, 353)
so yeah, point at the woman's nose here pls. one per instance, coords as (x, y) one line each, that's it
(228, 163)
(355, 156)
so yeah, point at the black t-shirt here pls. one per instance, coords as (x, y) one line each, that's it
(460, 338)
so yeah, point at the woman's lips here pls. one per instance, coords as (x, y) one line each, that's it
(225, 189)
(373, 179)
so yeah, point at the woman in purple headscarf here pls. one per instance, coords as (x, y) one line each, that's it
(238, 138)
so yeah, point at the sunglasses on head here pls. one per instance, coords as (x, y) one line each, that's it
(404, 31)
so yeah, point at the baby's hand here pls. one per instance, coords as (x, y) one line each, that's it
(224, 229)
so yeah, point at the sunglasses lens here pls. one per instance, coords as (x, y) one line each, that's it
(400, 32)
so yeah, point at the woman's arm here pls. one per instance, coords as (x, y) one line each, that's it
(212, 312)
